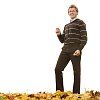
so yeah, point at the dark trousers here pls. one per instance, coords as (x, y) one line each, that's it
(62, 62)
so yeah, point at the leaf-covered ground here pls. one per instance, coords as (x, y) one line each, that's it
(58, 95)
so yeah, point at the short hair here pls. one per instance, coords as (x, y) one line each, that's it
(73, 6)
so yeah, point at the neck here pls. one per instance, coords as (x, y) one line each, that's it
(72, 19)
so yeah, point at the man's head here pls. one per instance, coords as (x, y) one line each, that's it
(72, 11)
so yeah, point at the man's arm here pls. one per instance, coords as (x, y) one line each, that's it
(83, 39)
(61, 38)
(59, 35)
(83, 33)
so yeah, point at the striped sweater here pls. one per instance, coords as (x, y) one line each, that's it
(74, 36)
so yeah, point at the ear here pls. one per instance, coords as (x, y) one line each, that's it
(77, 13)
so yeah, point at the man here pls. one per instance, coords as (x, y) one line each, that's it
(74, 37)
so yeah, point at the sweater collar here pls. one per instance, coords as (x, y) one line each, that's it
(71, 20)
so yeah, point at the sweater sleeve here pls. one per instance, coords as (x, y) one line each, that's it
(83, 33)
(61, 37)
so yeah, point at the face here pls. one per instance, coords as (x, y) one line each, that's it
(72, 13)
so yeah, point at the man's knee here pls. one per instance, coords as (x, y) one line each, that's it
(58, 70)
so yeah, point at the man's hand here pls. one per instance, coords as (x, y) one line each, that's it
(58, 32)
(76, 53)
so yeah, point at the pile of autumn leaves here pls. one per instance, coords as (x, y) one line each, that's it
(58, 95)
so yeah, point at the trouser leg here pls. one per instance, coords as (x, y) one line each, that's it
(61, 64)
(77, 72)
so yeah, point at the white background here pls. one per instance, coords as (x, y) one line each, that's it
(29, 48)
